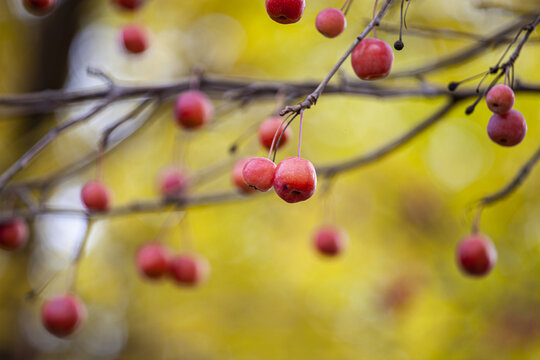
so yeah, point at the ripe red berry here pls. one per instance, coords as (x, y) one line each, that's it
(507, 129)
(268, 129)
(39, 7)
(134, 39)
(285, 11)
(476, 255)
(95, 196)
(128, 4)
(258, 173)
(189, 269)
(500, 99)
(295, 179)
(13, 234)
(238, 178)
(331, 22)
(172, 182)
(62, 315)
(193, 109)
(330, 240)
(152, 260)
(372, 59)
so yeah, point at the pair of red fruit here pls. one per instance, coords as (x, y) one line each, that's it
(154, 262)
(294, 179)
(506, 127)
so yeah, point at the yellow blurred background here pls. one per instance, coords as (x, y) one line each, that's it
(396, 292)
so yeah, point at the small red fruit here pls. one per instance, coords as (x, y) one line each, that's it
(13, 234)
(269, 128)
(134, 39)
(39, 7)
(476, 255)
(295, 179)
(95, 196)
(507, 129)
(259, 173)
(500, 99)
(128, 4)
(189, 270)
(238, 178)
(62, 315)
(372, 59)
(172, 182)
(331, 22)
(152, 260)
(285, 11)
(193, 109)
(330, 240)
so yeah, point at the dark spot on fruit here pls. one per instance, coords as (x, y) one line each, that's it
(296, 192)
(285, 187)
(503, 140)
(282, 17)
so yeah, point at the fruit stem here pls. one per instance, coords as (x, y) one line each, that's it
(476, 222)
(281, 135)
(275, 136)
(300, 132)
(373, 17)
(346, 6)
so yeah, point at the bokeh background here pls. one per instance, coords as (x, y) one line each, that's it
(396, 292)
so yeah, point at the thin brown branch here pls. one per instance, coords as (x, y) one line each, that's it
(312, 98)
(24, 160)
(132, 208)
(509, 188)
(469, 52)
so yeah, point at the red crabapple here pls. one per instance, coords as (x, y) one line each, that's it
(39, 7)
(285, 11)
(95, 196)
(258, 173)
(193, 109)
(172, 182)
(13, 234)
(331, 22)
(476, 255)
(134, 39)
(128, 4)
(295, 179)
(268, 129)
(372, 59)
(62, 315)
(238, 178)
(507, 129)
(189, 270)
(330, 240)
(500, 99)
(152, 260)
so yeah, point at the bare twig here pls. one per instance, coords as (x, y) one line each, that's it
(312, 98)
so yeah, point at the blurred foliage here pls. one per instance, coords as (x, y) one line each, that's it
(395, 294)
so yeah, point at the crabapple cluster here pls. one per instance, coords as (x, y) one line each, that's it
(506, 127)
(154, 261)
